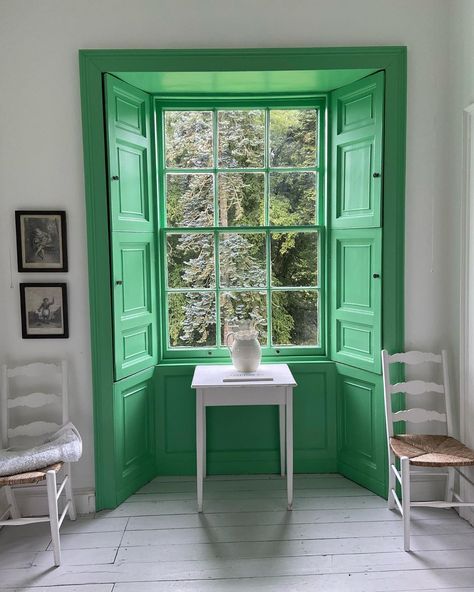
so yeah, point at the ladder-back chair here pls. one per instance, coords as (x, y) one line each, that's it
(421, 450)
(32, 404)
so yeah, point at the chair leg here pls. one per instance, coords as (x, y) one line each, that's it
(53, 515)
(405, 470)
(69, 494)
(392, 482)
(11, 500)
(449, 485)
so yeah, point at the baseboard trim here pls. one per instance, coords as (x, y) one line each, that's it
(33, 500)
(427, 487)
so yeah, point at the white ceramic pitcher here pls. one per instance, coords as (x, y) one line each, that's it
(245, 350)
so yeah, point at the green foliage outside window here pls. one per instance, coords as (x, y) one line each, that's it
(241, 224)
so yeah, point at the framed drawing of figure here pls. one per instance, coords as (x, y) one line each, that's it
(44, 311)
(41, 240)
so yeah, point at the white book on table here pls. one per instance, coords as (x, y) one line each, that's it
(248, 377)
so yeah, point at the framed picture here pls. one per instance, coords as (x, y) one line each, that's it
(41, 240)
(44, 311)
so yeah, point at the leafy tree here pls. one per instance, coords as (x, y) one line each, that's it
(190, 203)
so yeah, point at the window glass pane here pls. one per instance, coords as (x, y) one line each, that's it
(295, 318)
(292, 199)
(241, 199)
(241, 306)
(192, 319)
(189, 200)
(188, 139)
(190, 260)
(293, 138)
(242, 260)
(294, 258)
(241, 138)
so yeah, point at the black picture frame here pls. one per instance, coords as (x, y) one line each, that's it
(41, 241)
(44, 311)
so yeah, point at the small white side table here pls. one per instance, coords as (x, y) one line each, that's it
(271, 384)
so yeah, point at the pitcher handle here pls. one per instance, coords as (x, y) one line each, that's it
(227, 342)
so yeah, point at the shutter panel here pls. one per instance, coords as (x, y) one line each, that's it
(132, 225)
(134, 437)
(356, 240)
(356, 297)
(357, 111)
(362, 450)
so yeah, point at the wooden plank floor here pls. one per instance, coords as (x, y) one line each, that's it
(338, 537)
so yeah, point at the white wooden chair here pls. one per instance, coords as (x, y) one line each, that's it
(421, 450)
(9, 406)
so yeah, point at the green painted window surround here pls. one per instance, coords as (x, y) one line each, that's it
(214, 104)
(95, 63)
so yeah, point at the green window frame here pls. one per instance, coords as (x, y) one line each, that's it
(215, 104)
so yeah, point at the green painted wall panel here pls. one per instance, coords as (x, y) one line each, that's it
(242, 430)
(177, 415)
(246, 439)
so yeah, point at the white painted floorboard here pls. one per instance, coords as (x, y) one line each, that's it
(339, 537)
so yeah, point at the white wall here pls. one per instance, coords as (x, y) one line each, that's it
(461, 78)
(41, 148)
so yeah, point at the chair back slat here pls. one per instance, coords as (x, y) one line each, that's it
(416, 387)
(36, 369)
(414, 357)
(33, 400)
(415, 415)
(33, 429)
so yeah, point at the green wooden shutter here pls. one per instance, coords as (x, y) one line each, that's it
(356, 278)
(132, 225)
(356, 239)
(357, 116)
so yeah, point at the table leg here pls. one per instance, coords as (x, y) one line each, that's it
(282, 439)
(289, 446)
(199, 447)
(204, 442)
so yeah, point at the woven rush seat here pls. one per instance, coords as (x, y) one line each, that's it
(30, 476)
(432, 451)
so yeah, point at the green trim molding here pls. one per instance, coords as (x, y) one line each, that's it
(330, 67)
(316, 102)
